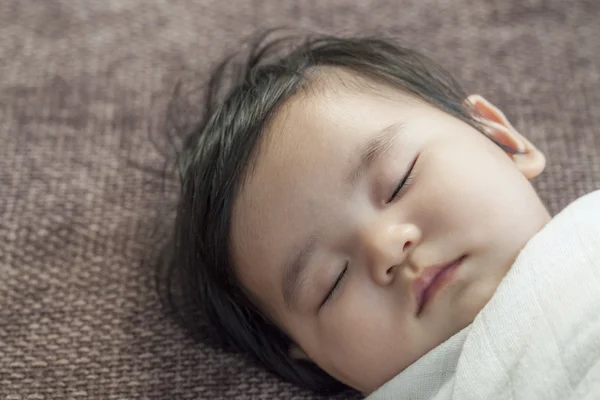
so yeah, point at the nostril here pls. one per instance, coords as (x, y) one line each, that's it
(390, 270)
(407, 245)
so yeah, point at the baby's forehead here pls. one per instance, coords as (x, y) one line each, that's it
(335, 118)
(328, 118)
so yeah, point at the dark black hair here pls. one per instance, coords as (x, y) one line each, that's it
(200, 278)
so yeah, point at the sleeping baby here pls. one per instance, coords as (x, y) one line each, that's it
(350, 218)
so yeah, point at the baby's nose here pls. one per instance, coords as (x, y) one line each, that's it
(387, 248)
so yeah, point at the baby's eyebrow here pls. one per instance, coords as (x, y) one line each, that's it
(374, 148)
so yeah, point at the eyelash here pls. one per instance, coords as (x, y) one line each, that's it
(404, 183)
(336, 285)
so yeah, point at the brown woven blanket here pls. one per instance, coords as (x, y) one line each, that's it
(84, 87)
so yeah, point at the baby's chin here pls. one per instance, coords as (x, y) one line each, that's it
(473, 301)
(474, 295)
(457, 311)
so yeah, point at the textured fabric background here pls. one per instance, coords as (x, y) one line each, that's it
(84, 86)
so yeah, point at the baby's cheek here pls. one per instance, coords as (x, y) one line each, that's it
(367, 344)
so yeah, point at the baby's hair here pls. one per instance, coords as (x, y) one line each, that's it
(199, 278)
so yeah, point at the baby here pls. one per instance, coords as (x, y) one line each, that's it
(346, 209)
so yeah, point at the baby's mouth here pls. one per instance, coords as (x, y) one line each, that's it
(431, 281)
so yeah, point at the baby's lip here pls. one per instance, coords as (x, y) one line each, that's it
(425, 281)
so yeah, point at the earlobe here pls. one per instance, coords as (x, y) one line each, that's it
(530, 160)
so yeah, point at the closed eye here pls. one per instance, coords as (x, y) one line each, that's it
(335, 286)
(405, 181)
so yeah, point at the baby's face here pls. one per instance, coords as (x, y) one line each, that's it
(320, 209)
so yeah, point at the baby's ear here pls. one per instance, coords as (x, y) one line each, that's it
(297, 353)
(532, 161)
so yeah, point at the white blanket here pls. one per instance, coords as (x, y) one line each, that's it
(538, 337)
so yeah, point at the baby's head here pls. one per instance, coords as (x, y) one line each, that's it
(323, 195)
